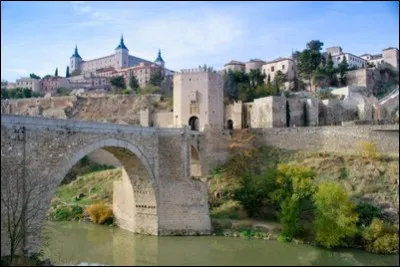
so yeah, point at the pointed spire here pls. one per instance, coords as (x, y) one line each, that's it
(76, 54)
(121, 43)
(159, 58)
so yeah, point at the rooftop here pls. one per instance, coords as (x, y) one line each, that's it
(278, 59)
(234, 62)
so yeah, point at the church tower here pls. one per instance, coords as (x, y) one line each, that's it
(122, 55)
(159, 61)
(76, 60)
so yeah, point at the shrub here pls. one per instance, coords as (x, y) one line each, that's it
(230, 209)
(61, 214)
(254, 191)
(369, 150)
(77, 212)
(335, 219)
(366, 213)
(100, 213)
(295, 188)
(381, 237)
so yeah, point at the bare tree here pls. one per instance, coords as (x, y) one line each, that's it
(21, 207)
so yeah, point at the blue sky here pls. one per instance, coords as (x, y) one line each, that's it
(40, 36)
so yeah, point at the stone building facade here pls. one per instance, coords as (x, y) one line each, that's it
(389, 55)
(286, 65)
(120, 59)
(33, 84)
(50, 84)
(198, 99)
(234, 66)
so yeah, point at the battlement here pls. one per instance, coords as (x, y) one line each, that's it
(200, 69)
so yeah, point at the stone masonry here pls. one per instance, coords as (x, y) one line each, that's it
(155, 196)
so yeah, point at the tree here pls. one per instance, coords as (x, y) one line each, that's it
(156, 77)
(63, 91)
(20, 208)
(269, 78)
(75, 73)
(4, 94)
(34, 76)
(315, 45)
(279, 80)
(343, 68)
(67, 72)
(230, 86)
(133, 83)
(335, 219)
(56, 73)
(118, 82)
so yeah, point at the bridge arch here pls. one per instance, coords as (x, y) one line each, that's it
(135, 196)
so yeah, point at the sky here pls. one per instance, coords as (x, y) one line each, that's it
(38, 37)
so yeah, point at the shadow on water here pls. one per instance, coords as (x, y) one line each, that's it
(74, 243)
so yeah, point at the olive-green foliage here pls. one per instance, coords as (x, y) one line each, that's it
(254, 191)
(61, 91)
(335, 219)
(18, 93)
(295, 187)
(118, 82)
(62, 214)
(366, 213)
(381, 237)
(229, 210)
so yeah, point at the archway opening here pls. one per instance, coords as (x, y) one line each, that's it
(126, 189)
(194, 123)
(230, 124)
(195, 164)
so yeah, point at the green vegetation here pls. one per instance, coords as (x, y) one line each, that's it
(118, 82)
(248, 86)
(86, 192)
(75, 73)
(134, 84)
(312, 195)
(56, 73)
(335, 220)
(156, 78)
(61, 91)
(67, 72)
(19, 93)
(34, 76)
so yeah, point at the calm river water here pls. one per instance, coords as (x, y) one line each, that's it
(77, 243)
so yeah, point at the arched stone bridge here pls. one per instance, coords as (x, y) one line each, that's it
(157, 194)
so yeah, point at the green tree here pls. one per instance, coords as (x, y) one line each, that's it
(315, 45)
(118, 82)
(156, 77)
(75, 73)
(4, 94)
(230, 86)
(309, 59)
(343, 68)
(61, 91)
(335, 219)
(67, 72)
(34, 76)
(279, 80)
(56, 73)
(295, 189)
(133, 83)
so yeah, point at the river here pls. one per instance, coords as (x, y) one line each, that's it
(77, 243)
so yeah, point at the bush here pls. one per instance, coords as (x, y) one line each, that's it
(230, 209)
(295, 188)
(335, 219)
(254, 191)
(100, 213)
(366, 213)
(77, 212)
(381, 237)
(369, 150)
(62, 214)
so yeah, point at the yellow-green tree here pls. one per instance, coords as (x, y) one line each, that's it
(335, 218)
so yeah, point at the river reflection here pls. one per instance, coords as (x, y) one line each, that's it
(74, 243)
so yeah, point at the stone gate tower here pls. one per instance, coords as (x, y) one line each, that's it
(198, 99)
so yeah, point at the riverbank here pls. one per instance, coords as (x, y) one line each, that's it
(269, 193)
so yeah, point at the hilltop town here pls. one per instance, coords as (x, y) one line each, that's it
(285, 92)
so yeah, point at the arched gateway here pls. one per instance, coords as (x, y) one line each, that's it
(156, 194)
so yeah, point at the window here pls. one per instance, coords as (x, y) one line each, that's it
(272, 69)
(338, 58)
(283, 67)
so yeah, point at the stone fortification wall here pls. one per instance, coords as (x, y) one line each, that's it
(120, 109)
(234, 112)
(334, 138)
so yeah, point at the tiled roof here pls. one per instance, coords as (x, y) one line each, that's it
(234, 62)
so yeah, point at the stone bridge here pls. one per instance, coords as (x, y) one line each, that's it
(158, 193)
